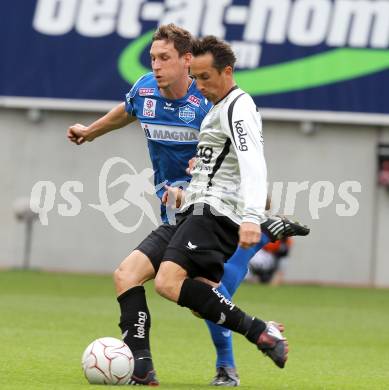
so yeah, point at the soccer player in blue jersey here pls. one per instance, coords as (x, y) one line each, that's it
(170, 110)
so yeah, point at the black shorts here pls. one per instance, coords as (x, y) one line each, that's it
(202, 244)
(155, 244)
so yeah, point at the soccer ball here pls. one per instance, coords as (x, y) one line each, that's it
(108, 361)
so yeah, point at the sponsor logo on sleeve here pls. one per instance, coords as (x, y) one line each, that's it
(146, 91)
(241, 135)
(149, 106)
(194, 100)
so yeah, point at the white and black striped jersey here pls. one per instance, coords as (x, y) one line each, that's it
(230, 171)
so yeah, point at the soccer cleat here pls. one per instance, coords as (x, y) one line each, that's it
(273, 344)
(278, 228)
(144, 373)
(226, 376)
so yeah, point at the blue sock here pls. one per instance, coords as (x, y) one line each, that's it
(222, 339)
(236, 267)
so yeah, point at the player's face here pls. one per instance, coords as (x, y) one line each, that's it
(210, 82)
(167, 65)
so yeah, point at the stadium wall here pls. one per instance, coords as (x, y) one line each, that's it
(342, 250)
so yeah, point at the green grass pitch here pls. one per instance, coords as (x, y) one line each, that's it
(339, 338)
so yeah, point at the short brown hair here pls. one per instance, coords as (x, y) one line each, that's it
(182, 39)
(221, 51)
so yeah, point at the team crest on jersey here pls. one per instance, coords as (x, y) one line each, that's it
(149, 106)
(146, 91)
(187, 114)
(194, 100)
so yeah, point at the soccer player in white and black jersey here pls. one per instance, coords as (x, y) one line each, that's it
(224, 203)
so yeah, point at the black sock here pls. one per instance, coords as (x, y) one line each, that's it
(135, 321)
(213, 306)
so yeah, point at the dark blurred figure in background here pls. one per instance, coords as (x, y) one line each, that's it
(268, 264)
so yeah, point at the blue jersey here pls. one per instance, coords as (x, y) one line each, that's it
(170, 126)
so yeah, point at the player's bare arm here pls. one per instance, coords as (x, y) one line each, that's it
(114, 119)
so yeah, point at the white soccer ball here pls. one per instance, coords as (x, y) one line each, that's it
(108, 361)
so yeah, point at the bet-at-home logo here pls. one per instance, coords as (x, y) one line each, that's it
(355, 32)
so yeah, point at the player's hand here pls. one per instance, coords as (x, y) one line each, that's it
(77, 133)
(172, 197)
(249, 234)
(191, 165)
